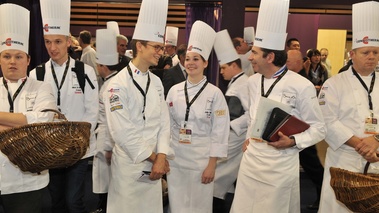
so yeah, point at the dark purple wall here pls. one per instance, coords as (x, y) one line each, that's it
(305, 26)
(301, 26)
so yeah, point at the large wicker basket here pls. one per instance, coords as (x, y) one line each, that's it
(39, 146)
(359, 192)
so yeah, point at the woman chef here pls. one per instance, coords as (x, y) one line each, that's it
(199, 129)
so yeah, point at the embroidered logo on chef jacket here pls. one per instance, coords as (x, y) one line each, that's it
(30, 101)
(112, 90)
(324, 88)
(75, 84)
(289, 99)
(208, 107)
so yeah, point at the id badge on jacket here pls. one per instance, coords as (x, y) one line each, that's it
(185, 133)
(371, 125)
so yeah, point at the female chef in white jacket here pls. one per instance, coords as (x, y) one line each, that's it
(199, 129)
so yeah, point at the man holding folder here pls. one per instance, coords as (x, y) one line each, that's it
(268, 178)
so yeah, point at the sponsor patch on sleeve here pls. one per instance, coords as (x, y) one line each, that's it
(117, 107)
(220, 113)
(114, 101)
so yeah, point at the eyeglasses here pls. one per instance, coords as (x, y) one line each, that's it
(157, 47)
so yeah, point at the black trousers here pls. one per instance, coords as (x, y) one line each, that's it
(23, 202)
(312, 166)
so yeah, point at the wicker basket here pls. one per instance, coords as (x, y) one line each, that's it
(39, 146)
(359, 192)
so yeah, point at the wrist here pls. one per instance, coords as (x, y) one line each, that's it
(293, 140)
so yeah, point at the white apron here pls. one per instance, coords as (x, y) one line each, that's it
(267, 180)
(141, 197)
(341, 158)
(227, 170)
(209, 122)
(344, 103)
(101, 171)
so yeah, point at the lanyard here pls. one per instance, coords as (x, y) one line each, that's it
(281, 73)
(62, 81)
(193, 99)
(11, 99)
(140, 89)
(234, 79)
(364, 86)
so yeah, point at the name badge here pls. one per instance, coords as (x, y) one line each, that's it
(371, 125)
(185, 134)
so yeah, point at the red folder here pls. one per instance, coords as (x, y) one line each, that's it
(289, 125)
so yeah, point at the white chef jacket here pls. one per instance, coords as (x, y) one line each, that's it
(101, 171)
(209, 121)
(135, 140)
(75, 105)
(269, 178)
(344, 103)
(227, 169)
(34, 97)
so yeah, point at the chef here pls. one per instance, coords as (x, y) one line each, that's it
(268, 177)
(138, 119)
(351, 108)
(237, 98)
(21, 101)
(199, 129)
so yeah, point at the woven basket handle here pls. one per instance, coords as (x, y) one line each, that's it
(366, 168)
(367, 165)
(60, 115)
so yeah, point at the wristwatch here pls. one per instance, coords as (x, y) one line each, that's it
(376, 137)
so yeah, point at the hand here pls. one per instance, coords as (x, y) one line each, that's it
(3, 127)
(283, 142)
(367, 148)
(108, 157)
(245, 144)
(167, 167)
(209, 172)
(159, 167)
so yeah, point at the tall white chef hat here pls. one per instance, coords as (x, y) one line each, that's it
(14, 28)
(201, 39)
(171, 36)
(56, 17)
(366, 24)
(113, 25)
(272, 24)
(106, 47)
(151, 21)
(224, 48)
(248, 35)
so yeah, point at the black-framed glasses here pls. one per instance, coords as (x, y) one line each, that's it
(157, 47)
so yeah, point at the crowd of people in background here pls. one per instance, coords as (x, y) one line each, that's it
(155, 117)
